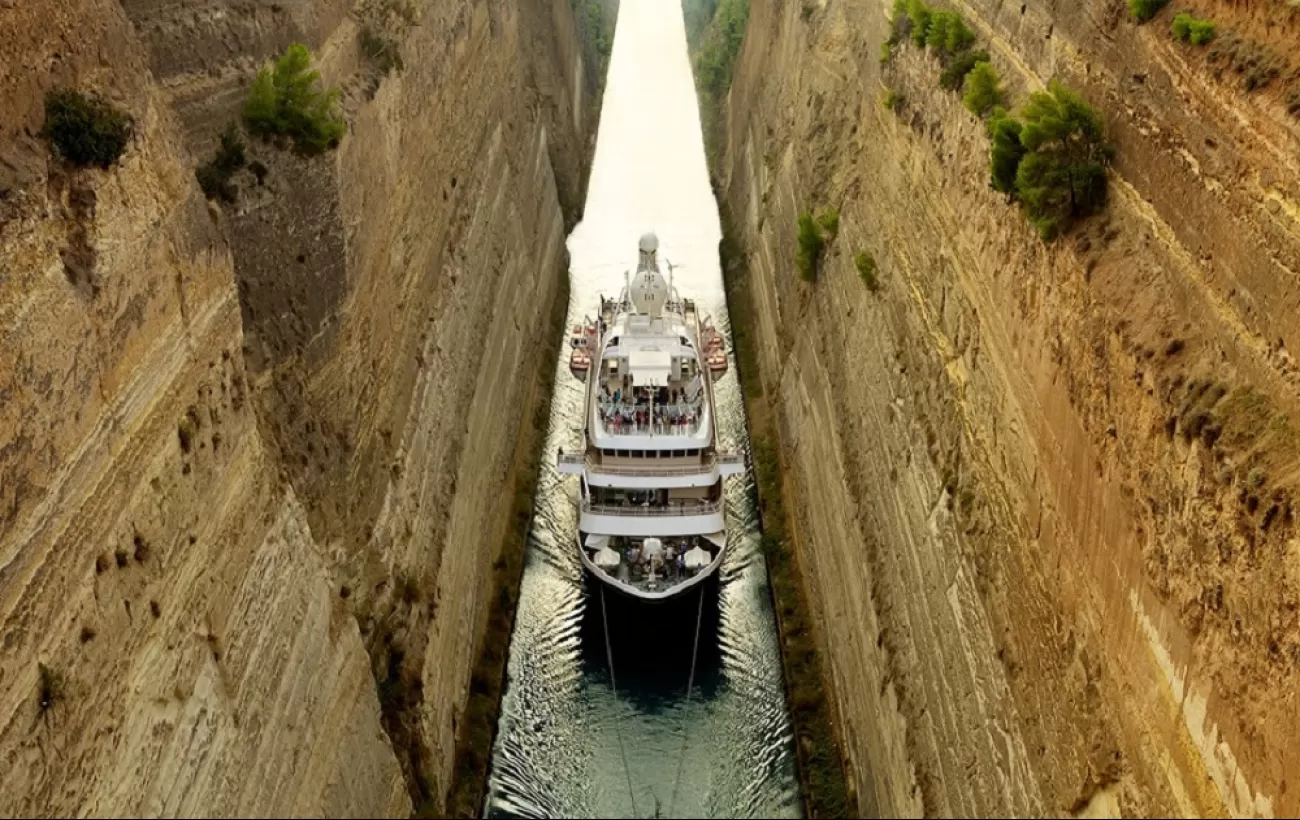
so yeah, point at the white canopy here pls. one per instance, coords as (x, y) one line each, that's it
(606, 557)
(719, 538)
(596, 541)
(696, 558)
(650, 366)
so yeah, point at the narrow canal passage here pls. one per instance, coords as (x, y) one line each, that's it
(568, 743)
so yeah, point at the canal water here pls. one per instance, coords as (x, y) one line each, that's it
(573, 741)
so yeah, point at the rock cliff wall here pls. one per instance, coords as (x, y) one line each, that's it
(1043, 495)
(251, 454)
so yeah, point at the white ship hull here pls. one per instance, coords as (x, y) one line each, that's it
(651, 515)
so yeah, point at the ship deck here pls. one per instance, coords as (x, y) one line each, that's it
(661, 576)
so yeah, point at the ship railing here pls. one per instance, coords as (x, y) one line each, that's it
(654, 511)
(681, 409)
(630, 428)
(575, 459)
(731, 459)
(650, 471)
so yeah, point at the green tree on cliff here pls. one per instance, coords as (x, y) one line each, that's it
(919, 15)
(1063, 174)
(285, 101)
(1006, 151)
(85, 130)
(947, 33)
(983, 91)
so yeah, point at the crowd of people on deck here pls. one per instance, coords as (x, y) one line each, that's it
(634, 409)
(668, 561)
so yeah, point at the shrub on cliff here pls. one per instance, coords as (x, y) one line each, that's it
(983, 91)
(380, 49)
(214, 178)
(892, 100)
(1143, 10)
(591, 16)
(286, 102)
(900, 25)
(1006, 151)
(866, 265)
(829, 220)
(810, 247)
(1062, 176)
(955, 74)
(947, 33)
(85, 130)
(919, 15)
(1188, 28)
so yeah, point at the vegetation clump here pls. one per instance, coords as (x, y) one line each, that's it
(716, 29)
(214, 177)
(892, 100)
(1062, 175)
(954, 75)
(591, 17)
(717, 55)
(947, 33)
(286, 102)
(866, 265)
(918, 14)
(1006, 151)
(1144, 10)
(983, 90)
(829, 220)
(811, 245)
(381, 50)
(1257, 64)
(1191, 29)
(85, 130)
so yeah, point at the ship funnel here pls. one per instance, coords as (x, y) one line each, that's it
(649, 247)
(648, 290)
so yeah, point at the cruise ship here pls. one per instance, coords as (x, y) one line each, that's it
(652, 522)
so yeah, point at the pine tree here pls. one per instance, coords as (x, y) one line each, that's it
(983, 91)
(1063, 173)
(285, 101)
(1006, 151)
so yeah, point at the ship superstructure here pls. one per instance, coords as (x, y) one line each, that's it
(652, 520)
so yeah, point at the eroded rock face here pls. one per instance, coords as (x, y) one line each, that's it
(251, 454)
(1045, 495)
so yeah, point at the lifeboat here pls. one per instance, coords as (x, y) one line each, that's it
(717, 362)
(715, 354)
(579, 360)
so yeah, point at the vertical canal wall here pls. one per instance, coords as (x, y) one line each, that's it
(258, 457)
(1043, 493)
